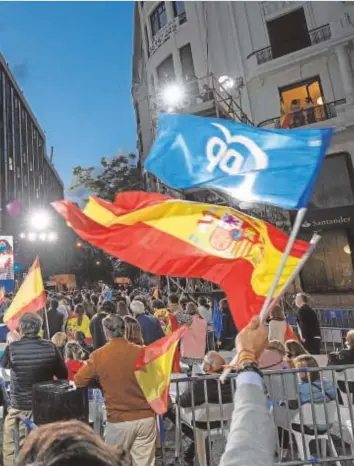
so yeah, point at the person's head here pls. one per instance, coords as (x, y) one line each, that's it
(173, 299)
(114, 326)
(133, 330)
(80, 311)
(224, 305)
(350, 339)
(137, 308)
(94, 300)
(69, 443)
(87, 297)
(59, 339)
(158, 304)
(213, 362)
(306, 360)
(183, 301)
(54, 303)
(122, 308)
(80, 337)
(276, 345)
(277, 313)
(301, 299)
(30, 325)
(108, 307)
(293, 349)
(191, 309)
(203, 301)
(12, 336)
(73, 351)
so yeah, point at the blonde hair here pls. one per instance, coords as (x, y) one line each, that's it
(59, 339)
(350, 338)
(277, 345)
(278, 313)
(12, 336)
(306, 360)
(74, 351)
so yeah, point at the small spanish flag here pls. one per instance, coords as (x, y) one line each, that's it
(30, 297)
(153, 370)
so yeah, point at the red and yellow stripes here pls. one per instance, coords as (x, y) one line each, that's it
(30, 297)
(153, 370)
(165, 236)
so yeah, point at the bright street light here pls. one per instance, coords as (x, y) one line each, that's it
(98, 262)
(227, 82)
(39, 220)
(43, 236)
(79, 244)
(22, 235)
(52, 236)
(173, 95)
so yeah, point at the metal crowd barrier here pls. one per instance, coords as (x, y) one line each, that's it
(327, 317)
(318, 431)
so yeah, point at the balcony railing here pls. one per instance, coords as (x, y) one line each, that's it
(318, 35)
(166, 32)
(305, 117)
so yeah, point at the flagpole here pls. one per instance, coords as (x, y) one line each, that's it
(313, 243)
(297, 225)
(46, 322)
(179, 287)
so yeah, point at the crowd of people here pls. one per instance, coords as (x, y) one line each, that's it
(83, 333)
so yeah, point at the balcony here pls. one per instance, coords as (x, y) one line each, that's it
(166, 32)
(305, 117)
(318, 35)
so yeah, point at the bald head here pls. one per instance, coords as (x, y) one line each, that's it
(213, 362)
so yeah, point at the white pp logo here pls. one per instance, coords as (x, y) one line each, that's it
(231, 161)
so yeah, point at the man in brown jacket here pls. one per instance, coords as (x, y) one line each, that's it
(131, 422)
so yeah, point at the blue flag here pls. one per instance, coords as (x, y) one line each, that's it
(217, 320)
(274, 166)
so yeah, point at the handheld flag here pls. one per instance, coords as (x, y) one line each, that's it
(273, 166)
(217, 320)
(167, 236)
(30, 297)
(153, 370)
(2, 294)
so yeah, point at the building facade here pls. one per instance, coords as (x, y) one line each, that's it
(26, 173)
(271, 64)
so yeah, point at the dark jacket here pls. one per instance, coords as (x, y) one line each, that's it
(97, 332)
(229, 331)
(31, 360)
(308, 323)
(55, 323)
(344, 357)
(199, 398)
(150, 328)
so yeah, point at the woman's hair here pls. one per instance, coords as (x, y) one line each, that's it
(69, 443)
(59, 339)
(306, 360)
(158, 304)
(293, 349)
(192, 309)
(94, 299)
(122, 308)
(80, 337)
(74, 351)
(108, 307)
(277, 345)
(183, 301)
(133, 331)
(278, 313)
(80, 311)
(12, 336)
(350, 338)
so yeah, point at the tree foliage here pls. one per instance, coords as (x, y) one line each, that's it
(114, 175)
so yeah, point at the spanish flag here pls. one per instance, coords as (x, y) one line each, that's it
(167, 236)
(30, 297)
(153, 370)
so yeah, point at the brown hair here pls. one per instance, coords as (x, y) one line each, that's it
(293, 348)
(133, 331)
(306, 360)
(278, 313)
(74, 351)
(192, 309)
(277, 345)
(80, 311)
(122, 308)
(69, 443)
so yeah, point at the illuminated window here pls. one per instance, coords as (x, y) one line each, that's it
(302, 103)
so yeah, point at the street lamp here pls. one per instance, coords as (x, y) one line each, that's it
(98, 262)
(32, 236)
(39, 220)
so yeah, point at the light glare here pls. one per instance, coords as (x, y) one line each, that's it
(172, 95)
(52, 236)
(40, 220)
(32, 236)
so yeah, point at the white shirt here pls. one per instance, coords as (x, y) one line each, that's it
(277, 329)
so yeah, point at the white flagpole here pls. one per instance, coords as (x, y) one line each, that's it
(313, 243)
(179, 286)
(46, 321)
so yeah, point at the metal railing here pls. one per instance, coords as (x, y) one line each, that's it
(305, 116)
(316, 36)
(312, 417)
(166, 32)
